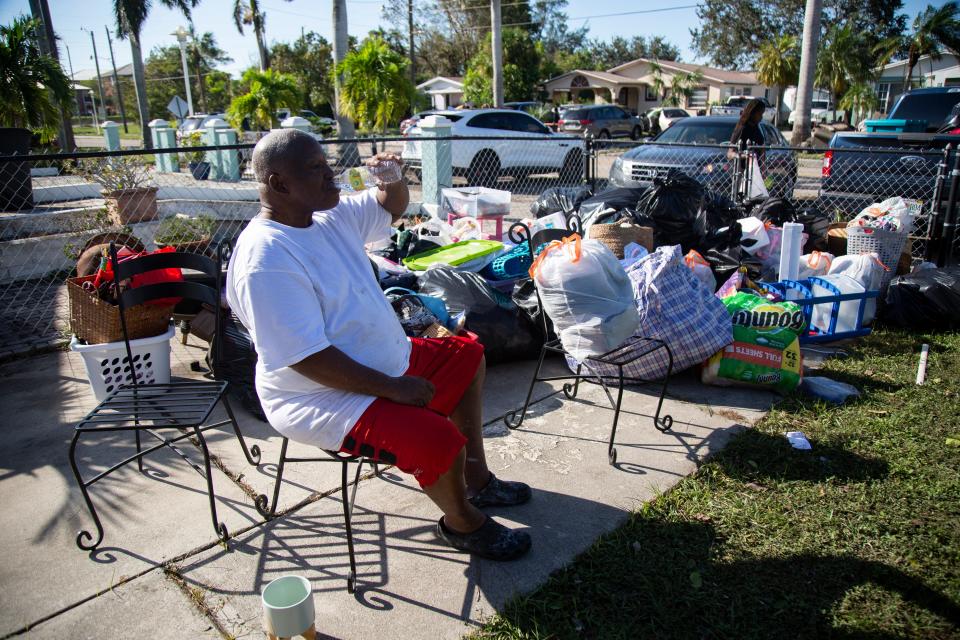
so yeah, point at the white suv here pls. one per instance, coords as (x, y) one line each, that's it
(528, 146)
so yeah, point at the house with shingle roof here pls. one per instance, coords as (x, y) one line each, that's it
(630, 85)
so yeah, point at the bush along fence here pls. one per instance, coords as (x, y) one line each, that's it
(58, 211)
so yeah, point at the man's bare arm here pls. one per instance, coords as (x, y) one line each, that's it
(335, 369)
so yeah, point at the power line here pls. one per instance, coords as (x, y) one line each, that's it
(633, 13)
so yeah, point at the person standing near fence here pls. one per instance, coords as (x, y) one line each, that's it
(748, 132)
(335, 369)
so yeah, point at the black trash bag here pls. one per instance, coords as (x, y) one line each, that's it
(554, 199)
(775, 210)
(525, 297)
(391, 252)
(506, 333)
(722, 250)
(721, 210)
(617, 198)
(927, 299)
(237, 363)
(675, 204)
(816, 224)
(403, 280)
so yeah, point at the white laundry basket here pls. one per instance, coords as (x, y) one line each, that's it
(108, 368)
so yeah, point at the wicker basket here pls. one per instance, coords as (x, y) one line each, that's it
(97, 321)
(888, 245)
(617, 236)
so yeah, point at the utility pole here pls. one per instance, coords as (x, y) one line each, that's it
(116, 82)
(497, 48)
(48, 46)
(413, 58)
(808, 63)
(182, 34)
(96, 63)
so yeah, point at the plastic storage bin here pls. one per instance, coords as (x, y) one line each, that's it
(896, 126)
(834, 322)
(478, 202)
(108, 368)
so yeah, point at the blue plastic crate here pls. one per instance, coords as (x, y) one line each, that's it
(896, 126)
(805, 299)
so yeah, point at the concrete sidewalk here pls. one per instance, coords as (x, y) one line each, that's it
(161, 572)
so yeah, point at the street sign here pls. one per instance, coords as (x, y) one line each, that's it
(178, 107)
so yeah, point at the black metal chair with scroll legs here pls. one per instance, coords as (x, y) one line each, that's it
(268, 509)
(630, 351)
(179, 409)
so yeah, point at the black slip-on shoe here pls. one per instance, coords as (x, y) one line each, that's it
(501, 493)
(492, 540)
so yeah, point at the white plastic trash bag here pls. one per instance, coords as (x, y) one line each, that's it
(865, 269)
(586, 294)
(815, 263)
(756, 187)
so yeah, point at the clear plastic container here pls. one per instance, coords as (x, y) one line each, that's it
(360, 178)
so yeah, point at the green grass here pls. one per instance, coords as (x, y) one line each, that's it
(88, 130)
(858, 538)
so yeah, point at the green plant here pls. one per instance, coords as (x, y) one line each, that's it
(33, 86)
(115, 174)
(375, 89)
(193, 139)
(779, 66)
(934, 30)
(268, 92)
(180, 229)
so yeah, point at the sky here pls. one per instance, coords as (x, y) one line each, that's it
(73, 19)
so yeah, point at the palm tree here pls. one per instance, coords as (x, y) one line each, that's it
(33, 86)
(934, 30)
(843, 61)
(269, 90)
(247, 12)
(204, 52)
(657, 84)
(131, 16)
(779, 66)
(375, 88)
(860, 99)
(682, 85)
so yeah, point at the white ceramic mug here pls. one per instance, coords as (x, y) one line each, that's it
(288, 606)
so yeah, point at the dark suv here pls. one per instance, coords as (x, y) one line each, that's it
(602, 121)
(931, 105)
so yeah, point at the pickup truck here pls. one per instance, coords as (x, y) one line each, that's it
(871, 167)
(931, 105)
(735, 105)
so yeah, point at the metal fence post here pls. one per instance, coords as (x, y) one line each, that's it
(932, 221)
(588, 160)
(436, 157)
(949, 220)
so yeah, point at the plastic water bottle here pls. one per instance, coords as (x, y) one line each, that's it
(360, 178)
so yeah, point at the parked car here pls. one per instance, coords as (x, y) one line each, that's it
(321, 123)
(521, 106)
(669, 116)
(735, 104)
(197, 121)
(602, 121)
(483, 161)
(821, 111)
(931, 105)
(854, 166)
(414, 119)
(709, 165)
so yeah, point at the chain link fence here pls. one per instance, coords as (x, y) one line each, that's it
(58, 212)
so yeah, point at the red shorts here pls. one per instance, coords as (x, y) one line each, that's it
(420, 440)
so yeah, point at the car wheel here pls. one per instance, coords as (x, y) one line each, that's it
(636, 133)
(572, 169)
(603, 135)
(484, 170)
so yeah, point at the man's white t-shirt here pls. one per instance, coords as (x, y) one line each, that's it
(301, 290)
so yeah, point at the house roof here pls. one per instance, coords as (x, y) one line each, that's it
(722, 76)
(105, 72)
(921, 60)
(454, 80)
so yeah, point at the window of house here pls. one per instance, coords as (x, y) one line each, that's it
(650, 95)
(699, 97)
(883, 96)
(747, 91)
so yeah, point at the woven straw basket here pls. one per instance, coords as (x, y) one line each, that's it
(97, 321)
(617, 236)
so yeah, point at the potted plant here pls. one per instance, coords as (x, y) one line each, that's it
(126, 187)
(196, 160)
(33, 90)
(185, 234)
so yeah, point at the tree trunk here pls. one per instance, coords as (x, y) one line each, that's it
(140, 85)
(776, 114)
(349, 155)
(808, 61)
(203, 94)
(261, 46)
(48, 46)
(496, 47)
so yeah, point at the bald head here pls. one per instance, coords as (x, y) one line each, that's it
(278, 148)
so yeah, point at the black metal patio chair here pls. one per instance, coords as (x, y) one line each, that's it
(268, 508)
(167, 412)
(630, 351)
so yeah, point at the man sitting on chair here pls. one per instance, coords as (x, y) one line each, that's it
(335, 368)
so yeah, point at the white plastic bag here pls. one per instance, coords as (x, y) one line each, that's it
(754, 237)
(816, 263)
(467, 228)
(701, 269)
(867, 271)
(756, 187)
(436, 230)
(586, 294)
